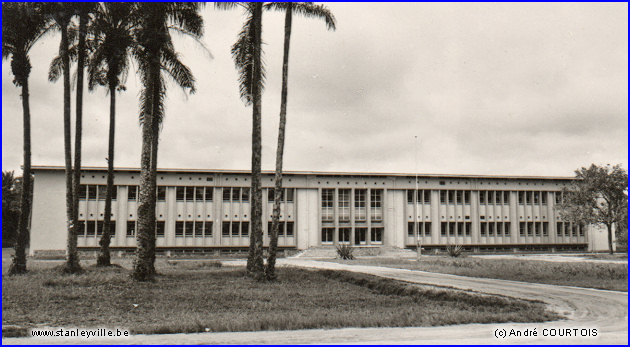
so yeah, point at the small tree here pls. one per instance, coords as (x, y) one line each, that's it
(599, 195)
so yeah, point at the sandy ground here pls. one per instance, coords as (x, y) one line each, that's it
(584, 308)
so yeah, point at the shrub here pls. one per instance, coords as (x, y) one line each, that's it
(345, 252)
(454, 250)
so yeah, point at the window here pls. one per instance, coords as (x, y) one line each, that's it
(410, 228)
(376, 203)
(573, 230)
(530, 228)
(190, 193)
(559, 229)
(161, 193)
(545, 229)
(482, 228)
(199, 193)
(420, 227)
(198, 229)
(344, 205)
(91, 192)
(101, 191)
(567, 229)
(271, 194)
(521, 198)
(499, 228)
(451, 229)
(360, 204)
(327, 235)
(427, 228)
(490, 229)
(528, 197)
(344, 235)
(451, 197)
(467, 197)
(490, 197)
(558, 196)
(521, 227)
(236, 194)
(179, 193)
(327, 204)
(244, 194)
(499, 197)
(225, 230)
(188, 229)
(131, 228)
(506, 229)
(459, 197)
(81, 228)
(360, 236)
(537, 228)
(208, 229)
(543, 198)
(244, 229)
(91, 228)
(581, 230)
(410, 196)
(290, 229)
(536, 198)
(377, 235)
(209, 191)
(468, 228)
(443, 228)
(160, 227)
(132, 193)
(281, 229)
(427, 197)
(482, 197)
(83, 191)
(226, 194)
(289, 194)
(112, 228)
(442, 196)
(99, 228)
(506, 198)
(179, 229)
(460, 228)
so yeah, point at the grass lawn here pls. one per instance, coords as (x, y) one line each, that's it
(591, 275)
(199, 296)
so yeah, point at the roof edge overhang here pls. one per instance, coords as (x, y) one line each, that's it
(304, 173)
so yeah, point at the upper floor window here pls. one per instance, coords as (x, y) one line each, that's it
(132, 193)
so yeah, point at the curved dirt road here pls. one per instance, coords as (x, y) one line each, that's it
(584, 308)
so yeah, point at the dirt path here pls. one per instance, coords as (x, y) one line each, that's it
(584, 308)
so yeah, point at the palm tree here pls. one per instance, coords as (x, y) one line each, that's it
(307, 9)
(112, 42)
(22, 25)
(155, 53)
(61, 14)
(247, 54)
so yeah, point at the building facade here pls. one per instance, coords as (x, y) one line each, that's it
(210, 210)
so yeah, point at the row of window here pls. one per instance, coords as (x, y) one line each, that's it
(455, 228)
(530, 198)
(495, 228)
(360, 204)
(569, 229)
(96, 228)
(421, 228)
(485, 197)
(96, 192)
(360, 235)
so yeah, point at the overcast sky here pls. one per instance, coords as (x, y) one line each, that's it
(515, 89)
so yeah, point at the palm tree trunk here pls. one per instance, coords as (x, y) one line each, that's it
(154, 160)
(255, 261)
(104, 258)
(273, 243)
(72, 256)
(610, 238)
(79, 119)
(18, 265)
(145, 235)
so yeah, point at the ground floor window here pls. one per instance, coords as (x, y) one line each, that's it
(377, 235)
(328, 235)
(360, 236)
(344, 235)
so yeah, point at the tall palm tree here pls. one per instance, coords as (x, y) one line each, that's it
(112, 41)
(60, 15)
(307, 9)
(155, 53)
(22, 25)
(247, 54)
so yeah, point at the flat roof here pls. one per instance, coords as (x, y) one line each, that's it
(267, 172)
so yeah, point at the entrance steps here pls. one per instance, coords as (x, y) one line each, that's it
(330, 252)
